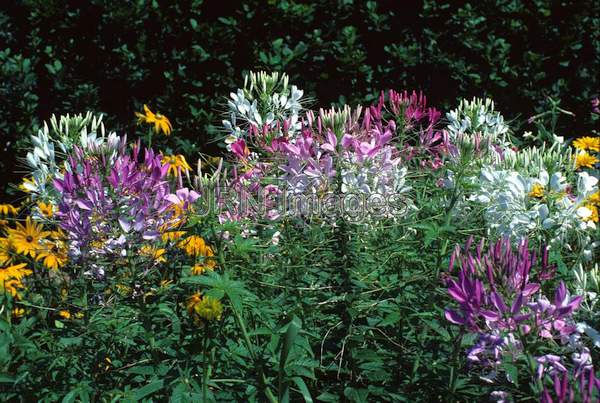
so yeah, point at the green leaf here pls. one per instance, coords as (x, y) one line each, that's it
(303, 389)
(147, 390)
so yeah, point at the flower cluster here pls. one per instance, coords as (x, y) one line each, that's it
(265, 101)
(543, 206)
(45, 161)
(112, 203)
(362, 152)
(500, 296)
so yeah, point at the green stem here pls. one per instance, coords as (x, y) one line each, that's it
(250, 348)
(238, 318)
(204, 368)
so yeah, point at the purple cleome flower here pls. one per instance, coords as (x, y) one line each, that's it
(113, 202)
(499, 297)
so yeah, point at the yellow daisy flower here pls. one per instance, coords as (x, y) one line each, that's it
(585, 160)
(46, 209)
(192, 301)
(10, 278)
(17, 271)
(177, 164)
(594, 198)
(193, 245)
(7, 250)
(587, 143)
(65, 314)
(172, 235)
(8, 209)
(161, 122)
(26, 238)
(537, 191)
(18, 312)
(155, 253)
(11, 286)
(53, 254)
(198, 269)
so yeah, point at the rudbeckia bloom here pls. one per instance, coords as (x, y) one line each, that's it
(193, 246)
(64, 314)
(8, 209)
(46, 209)
(595, 199)
(585, 160)
(198, 269)
(537, 191)
(53, 255)
(172, 235)
(161, 122)
(6, 250)
(593, 216)
(587, 143)
(177, 164)
(155, 253)
(26, 238)
(11, 286)
(10, 278)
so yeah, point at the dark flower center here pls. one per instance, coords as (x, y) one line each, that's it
(29, 238)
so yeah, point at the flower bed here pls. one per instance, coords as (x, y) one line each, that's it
(319, 259)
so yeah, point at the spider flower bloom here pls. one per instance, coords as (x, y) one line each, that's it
(494, 292)
(111, 207)
(161, 122)
(583, 387)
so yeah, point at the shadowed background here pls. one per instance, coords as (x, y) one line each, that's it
(183, 59)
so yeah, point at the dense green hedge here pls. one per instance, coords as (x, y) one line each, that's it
(62, 56)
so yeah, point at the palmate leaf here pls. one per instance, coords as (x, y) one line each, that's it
(233, 289)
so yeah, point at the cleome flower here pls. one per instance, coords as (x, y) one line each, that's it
(111, 207)
(45, 160)
(545, 206)
(500, 297)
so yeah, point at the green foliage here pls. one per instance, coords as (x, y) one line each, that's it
(182, 57)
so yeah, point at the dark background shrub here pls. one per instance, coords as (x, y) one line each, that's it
(184, 57)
